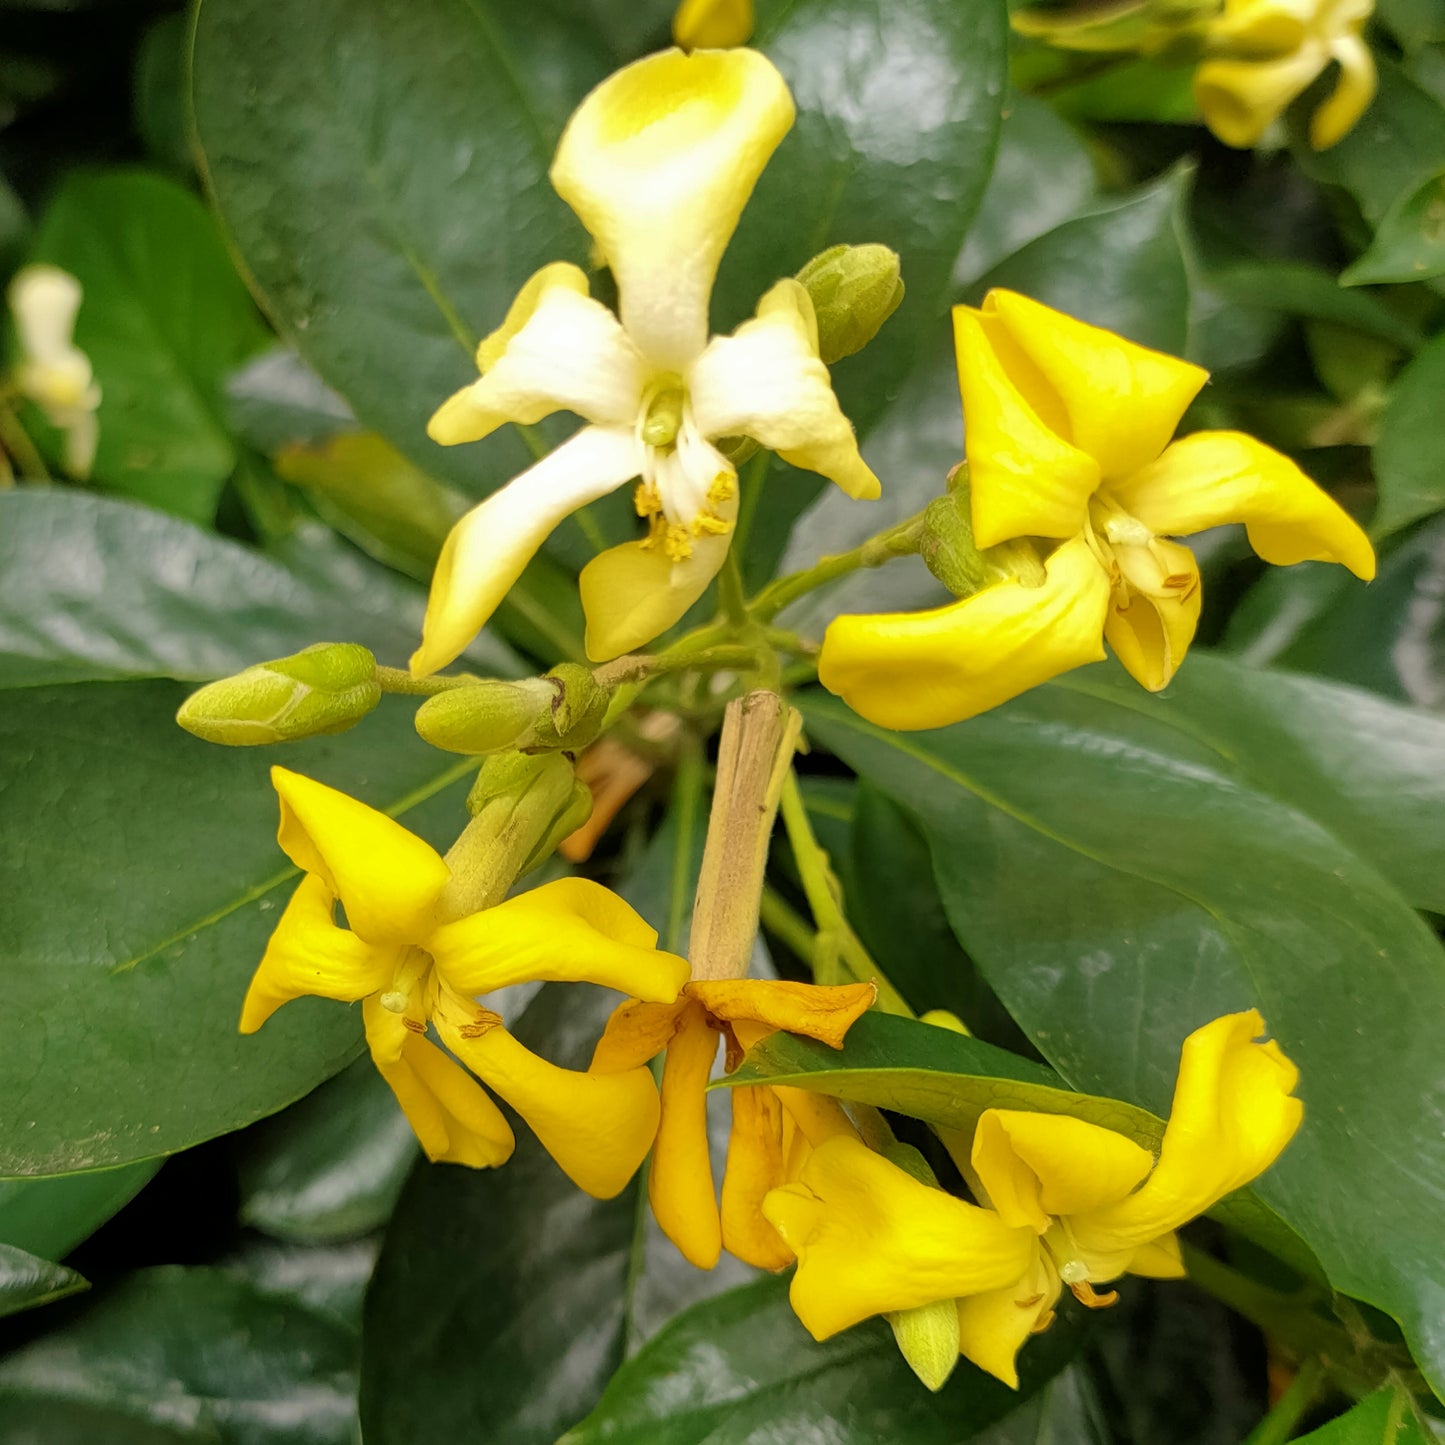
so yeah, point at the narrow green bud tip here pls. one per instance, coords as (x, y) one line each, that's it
(484, 717)
(854, 290)
(928, 1339)
(324, 689)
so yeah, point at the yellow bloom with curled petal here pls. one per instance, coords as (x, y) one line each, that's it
(413, 963)
(658, 163)
(1267, 52)
(1067, 433)
(771, 1127)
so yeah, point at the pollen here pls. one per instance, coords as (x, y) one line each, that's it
(647, 499)
(677, 541)
(722, 488)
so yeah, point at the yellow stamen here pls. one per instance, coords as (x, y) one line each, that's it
(677, 542)
(647, 499)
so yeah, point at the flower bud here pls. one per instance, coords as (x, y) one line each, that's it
(854, 290)
(950, 553)
(577, 709)
(324, 689)
(484, 717)
(538, 797)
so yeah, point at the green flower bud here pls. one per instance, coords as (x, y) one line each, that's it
(575, 812)
(854, 290)
(537, 796)
(324, 689)
(950, 553)
(485, 717)
(577, 712)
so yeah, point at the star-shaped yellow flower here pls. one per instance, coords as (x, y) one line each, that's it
(413, 963)
(658, 163)
(1067, 436)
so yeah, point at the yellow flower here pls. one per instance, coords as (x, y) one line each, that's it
(1099, 1206)
(1067, 437)
(1267, 52)
(53, 372)
(412, 962)
(770, 1126)
(712, 24)
(658, 163)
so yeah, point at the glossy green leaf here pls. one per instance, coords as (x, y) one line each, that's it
(98, 588)
(1410, 242)
(164, 318)
(740, 1370)
(332, 1165)
(330, 1279)
(1311, 292)
(1178, 888)
(1410, 453)
(1067, 1411)
(151, 883)
(27, 1281)
(49, 1217)
(1384, 1418)
(191, 1351)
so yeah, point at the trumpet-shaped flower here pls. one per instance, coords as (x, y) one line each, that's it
(766, 1121)
(1267, 52)
(53, 371)
(1068, 441)
(413, 964)
(658, 163)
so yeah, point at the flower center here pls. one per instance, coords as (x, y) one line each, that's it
(684, 490)
(410, 975)
(1135, 560)
(1074, 1268)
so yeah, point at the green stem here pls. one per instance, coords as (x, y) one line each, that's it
(730, 590)
(637, 667)
(899, 541)
(399, 680)
(1282, 1421)
(752, 470)
(16, 440)
(784, 921)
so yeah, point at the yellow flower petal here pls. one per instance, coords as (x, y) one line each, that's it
(679, 1182)
(1036, 1166)
(993, 1326)
(635, 1033)
(598, 1127)
(823, 1012)
(388, 880)
(1232, 1116)
(558, 350)
(1123, 401)
(871, 1239)
(658, 162)
(489, 548)
(765, 381)
(1159, 1259)
(1214, 477)
(816, 1117)
(454, 1120)
(712, 24)
(756, 1164)
(1025, 478)
(1261, 29)
(1153, 631)
(571, 930)
(928, 669)
(1352, 94)
(1241, 99)
(309, 954)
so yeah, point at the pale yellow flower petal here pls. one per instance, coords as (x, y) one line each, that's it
(44, 300)
(387, 879)
(1035, 1166)
(1352, 94)
(765, 381)
(1123, 401)
(823, 1012)
(1153, 631)
(1025, 478)
(871, 1239)
(1241, 99)
(816, 1117)
(928, 669)
(1233, 1114)
(453, 1119)
(712, 24)
(558, 350)
(82, 436)
(679, 1181)
(1215, 477)
(658, 163)
(570, 930)
(1262, 29)
(489, 548)
(309, 954)
(993, 1326)
(598, 1127)
(755, 1165)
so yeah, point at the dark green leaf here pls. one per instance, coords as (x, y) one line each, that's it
(1178, 890)
(97, 588)
(330, 1279)
(27, 1281)
(331, 1166)
(1384, 1418)
(49, 1217)
(1067, 1411)
(740, 1370)
(160, 92)
(1410, 452)
(1410, 242)
(164, 318)
(1308, 291)
(151, 880)
(193, 1351)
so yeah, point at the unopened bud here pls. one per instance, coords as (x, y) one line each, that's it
(854, 290)
(537, 796)
(942, 1018)
(484, 717)
(951, 554)
(324, 689)
(576, 711)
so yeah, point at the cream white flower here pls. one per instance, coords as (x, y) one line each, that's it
(658, 163)
(53, 371)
